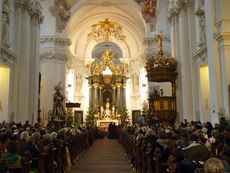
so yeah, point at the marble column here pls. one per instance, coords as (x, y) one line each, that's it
(90, 95)
(119, 103)
(100, 96)
(114, 95)
(95, 85)
(185, 64)
(124, 94)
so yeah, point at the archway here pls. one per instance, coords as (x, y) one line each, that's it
(131, 50)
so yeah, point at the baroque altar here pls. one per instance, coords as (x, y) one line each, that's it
(107, 91)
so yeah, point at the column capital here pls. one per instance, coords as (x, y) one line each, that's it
(101, 87)
(95, 85)
(175, 6)
(118, 85)
(124, 85)
(113, 87)
(90, 86)
(33, 7)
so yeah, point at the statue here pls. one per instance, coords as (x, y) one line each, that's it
(78, 82)
(200, 13)
(107, 109)
(59, 112)
(5, 23)
(125, 69)
(89, 68)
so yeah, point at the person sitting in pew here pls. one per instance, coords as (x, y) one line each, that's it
(11, 157)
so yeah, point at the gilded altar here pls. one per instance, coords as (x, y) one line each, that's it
(107, 92)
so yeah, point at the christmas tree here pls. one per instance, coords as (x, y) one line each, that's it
(89, 120)
(124, 115)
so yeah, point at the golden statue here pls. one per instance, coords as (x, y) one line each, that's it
(108, 59)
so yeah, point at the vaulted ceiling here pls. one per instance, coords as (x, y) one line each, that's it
(85, 13)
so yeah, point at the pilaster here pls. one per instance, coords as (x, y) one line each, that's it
(223, 39)
(185, 64)
(213, 62)
(1, 21)
(28, 17)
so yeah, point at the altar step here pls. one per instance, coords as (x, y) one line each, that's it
(105, 156)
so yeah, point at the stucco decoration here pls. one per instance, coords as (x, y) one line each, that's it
(5, 23)
(62, 14)
(200, 13)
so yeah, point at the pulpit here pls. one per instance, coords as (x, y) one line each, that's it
(162, 69)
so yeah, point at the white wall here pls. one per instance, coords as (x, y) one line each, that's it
(4, 92)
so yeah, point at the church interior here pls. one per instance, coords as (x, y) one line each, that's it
(115, 69)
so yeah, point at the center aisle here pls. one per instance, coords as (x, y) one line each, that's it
(105, 156)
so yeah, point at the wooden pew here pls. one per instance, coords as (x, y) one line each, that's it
(23, 168)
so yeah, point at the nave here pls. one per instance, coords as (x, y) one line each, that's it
(105, 156)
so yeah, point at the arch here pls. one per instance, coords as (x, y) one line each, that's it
(85, 13)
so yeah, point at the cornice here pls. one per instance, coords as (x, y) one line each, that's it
(57, 56)
(6, 54)
(33, 7)
(56, 40)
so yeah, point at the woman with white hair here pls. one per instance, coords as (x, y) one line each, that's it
(54, 139)
(22, 143)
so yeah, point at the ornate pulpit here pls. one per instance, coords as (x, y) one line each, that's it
(162, 69)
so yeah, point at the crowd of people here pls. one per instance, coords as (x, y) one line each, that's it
(18, 140)
(187, 148)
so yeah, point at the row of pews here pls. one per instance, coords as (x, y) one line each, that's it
(60, 159)
(146, 161)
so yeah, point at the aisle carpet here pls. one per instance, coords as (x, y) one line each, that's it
(105, 156)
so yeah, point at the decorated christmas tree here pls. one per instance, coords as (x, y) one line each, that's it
(124, 115)
(89, 120)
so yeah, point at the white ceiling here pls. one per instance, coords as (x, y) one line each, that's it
(88, 12)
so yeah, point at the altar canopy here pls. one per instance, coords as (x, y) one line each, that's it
(107, 87)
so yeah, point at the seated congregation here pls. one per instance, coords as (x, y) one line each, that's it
(54, 148)
(187, 148)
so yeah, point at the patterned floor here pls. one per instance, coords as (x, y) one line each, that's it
(105, 156)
